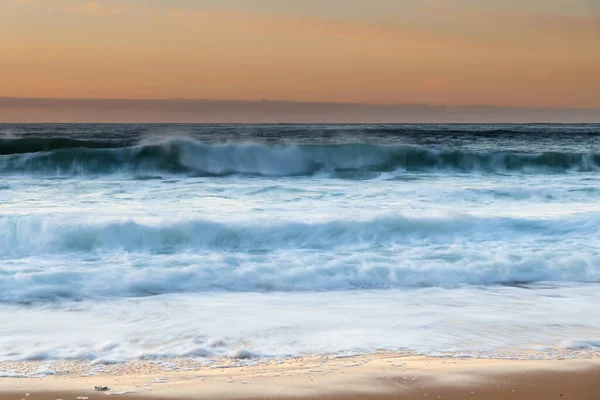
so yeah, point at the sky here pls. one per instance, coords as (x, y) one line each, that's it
(512, 53)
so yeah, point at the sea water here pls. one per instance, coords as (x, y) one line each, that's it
(121, 242)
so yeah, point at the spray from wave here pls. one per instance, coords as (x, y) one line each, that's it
(187, 156)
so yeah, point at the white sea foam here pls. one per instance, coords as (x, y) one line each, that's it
(50, 278)
(493, 321)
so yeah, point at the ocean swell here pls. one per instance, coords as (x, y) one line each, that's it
(188, 156)
(24, 236)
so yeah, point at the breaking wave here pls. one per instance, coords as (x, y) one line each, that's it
(122, 259)
(34, 235)
(187, 156)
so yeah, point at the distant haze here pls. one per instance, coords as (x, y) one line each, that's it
(215, 111)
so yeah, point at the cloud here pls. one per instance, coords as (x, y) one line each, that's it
(270, 24)
(95, 8)
(567, 26)
(16, 3)
(464, 27)
(79, 7)
(508, 23)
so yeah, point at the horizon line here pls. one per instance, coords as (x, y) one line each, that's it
(291, 102)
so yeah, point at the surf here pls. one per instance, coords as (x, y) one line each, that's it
(72, 157)
(27, 235)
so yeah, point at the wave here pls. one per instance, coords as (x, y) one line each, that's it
(49, 258)
(24, 236)
(188, 156)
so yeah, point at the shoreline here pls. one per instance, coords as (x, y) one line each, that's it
(377, 376)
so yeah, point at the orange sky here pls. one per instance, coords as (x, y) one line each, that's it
(533, 53)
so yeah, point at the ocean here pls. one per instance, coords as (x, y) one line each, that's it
(126, 242)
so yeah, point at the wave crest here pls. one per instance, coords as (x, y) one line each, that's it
(183, 155)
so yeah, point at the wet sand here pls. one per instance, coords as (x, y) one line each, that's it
(380, 376)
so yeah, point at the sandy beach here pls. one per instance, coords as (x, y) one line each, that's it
(379, 376)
